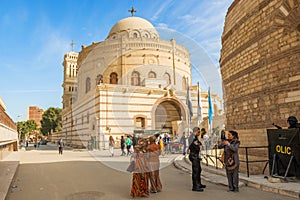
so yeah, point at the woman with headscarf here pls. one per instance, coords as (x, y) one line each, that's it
(140, 184)
(232, 163)
(154, 152)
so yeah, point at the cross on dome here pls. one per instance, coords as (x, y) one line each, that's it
(132, 11)
(72, 45)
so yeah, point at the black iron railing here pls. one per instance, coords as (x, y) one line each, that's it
(215, 157)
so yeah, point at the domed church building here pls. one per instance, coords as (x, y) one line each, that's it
(132, 82)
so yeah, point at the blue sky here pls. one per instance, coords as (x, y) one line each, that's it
(35, 35)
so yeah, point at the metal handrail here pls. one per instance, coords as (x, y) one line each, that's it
(247, 161)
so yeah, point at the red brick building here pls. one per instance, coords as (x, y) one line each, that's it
(35, 113)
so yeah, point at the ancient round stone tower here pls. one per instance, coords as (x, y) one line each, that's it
(260, 67)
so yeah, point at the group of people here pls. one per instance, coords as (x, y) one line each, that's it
(132, 140)
(230, 145)
(146, 167)
(146, 163)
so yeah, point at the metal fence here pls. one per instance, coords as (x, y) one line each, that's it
(214, 157)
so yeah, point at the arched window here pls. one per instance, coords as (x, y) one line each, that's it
(71, 101)
(135, 78)
(113, 78)
(167, 77)
(99, 79)
(152, 74)
(87, 84)
(135, 35)
(184, 83)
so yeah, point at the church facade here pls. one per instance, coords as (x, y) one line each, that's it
(132, 82)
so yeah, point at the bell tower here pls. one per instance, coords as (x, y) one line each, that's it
(70, 78)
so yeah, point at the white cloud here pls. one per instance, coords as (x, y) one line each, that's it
(190, 20)
(162, 26)
(50, 44)
(162, 8)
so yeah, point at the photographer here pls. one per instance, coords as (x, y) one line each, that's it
(231, 146)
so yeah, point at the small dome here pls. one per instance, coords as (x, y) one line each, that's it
(132, 23)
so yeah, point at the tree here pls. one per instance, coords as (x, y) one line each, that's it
(51, 120)
(26, 127)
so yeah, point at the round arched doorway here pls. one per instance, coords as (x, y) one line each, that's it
(168, 115)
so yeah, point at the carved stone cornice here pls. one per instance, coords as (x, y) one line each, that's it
(85, 52)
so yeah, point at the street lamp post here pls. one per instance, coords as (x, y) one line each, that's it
(20, 130)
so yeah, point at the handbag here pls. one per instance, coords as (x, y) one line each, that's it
(231, 165)
(131, 166)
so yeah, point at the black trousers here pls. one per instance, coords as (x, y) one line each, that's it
(196, 173)
(60, 150)
(233, 179)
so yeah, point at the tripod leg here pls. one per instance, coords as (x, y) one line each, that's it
(289, 165)
(273, 164)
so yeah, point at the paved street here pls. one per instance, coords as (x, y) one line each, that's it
(80, 175)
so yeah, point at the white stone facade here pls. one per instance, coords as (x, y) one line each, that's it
(131, 81)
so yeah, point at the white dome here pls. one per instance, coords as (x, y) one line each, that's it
(132, 23)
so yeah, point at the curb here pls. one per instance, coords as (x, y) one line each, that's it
(13, 168)
(180, 167)
(205, 175)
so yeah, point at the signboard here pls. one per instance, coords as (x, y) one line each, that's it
(284, 152)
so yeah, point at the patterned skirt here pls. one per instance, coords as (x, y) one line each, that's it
(140, 185)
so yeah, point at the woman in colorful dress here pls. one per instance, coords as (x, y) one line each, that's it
(140, 183)
(154, 152)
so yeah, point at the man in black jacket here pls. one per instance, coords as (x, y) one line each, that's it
(194, 151)
(293, 122)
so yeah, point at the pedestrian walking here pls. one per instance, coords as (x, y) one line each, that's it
(111, 145)
(154, 152)
(128, 145)
(231, 159)
(161, 145)
(191, 138)
(167, 141)
(134, 140)
(140, 181)
(194, 151)
(183, 142)
(61, 145)
(26, 144)
(39, 144)
(122, 145)
(204, 139)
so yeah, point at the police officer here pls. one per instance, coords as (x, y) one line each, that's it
(194, 150)
(293, 122)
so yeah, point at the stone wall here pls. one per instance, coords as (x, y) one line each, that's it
(260, 66)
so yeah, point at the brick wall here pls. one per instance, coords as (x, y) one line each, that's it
(260, 66)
